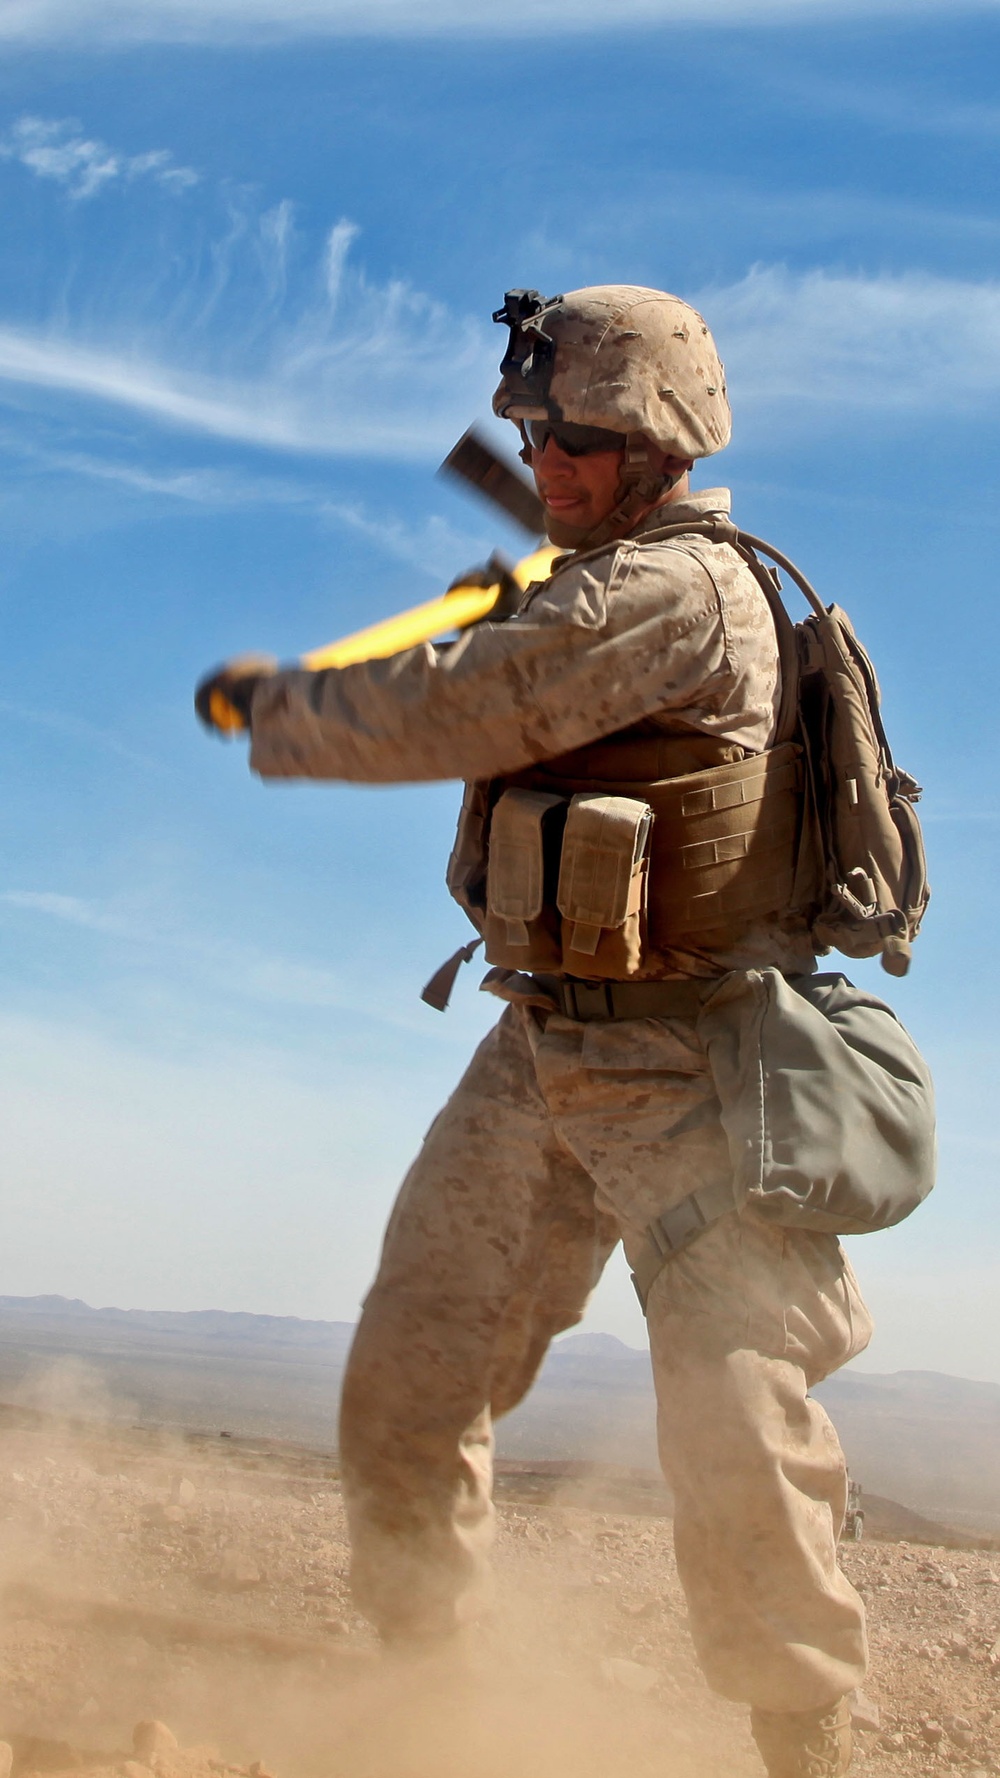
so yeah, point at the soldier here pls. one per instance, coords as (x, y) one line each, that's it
(589, 1114)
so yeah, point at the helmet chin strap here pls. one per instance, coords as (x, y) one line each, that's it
(639, 488)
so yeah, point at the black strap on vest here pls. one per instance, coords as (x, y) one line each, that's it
(587, 1001)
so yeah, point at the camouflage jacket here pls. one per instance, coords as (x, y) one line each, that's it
(675, 635)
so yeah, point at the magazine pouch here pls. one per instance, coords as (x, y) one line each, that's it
(601, 894)
(521, 926)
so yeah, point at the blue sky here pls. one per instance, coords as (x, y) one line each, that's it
(250, 251)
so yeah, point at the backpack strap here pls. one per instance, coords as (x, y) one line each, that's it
(788, 648)
(722, 530)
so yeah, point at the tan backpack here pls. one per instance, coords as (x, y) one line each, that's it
(874, 887)
(862, 876)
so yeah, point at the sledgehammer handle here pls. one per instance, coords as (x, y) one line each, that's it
(455, 610)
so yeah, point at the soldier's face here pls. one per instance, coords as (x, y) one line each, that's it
(576, 491)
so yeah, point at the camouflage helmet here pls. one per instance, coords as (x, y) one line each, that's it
(624, 359)
(616, 356)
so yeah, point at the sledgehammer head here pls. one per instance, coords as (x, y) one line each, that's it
(474, 461)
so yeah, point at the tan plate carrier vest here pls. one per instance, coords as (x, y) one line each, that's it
(594, 863)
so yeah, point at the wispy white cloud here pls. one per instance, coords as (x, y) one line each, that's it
(216, 489)
(338, 246)
(240, 21)
(81, 732)
(339, 366)
(69, 908)
(904, 107)
(267, 339)
(153, 928)
(431, 547)
(887, 345)
(755, 220)
(55, 148)
(270, 341)
(388, 372)
(310, 400)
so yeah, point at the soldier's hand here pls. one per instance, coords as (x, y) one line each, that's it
(223, 698)
(495, 572)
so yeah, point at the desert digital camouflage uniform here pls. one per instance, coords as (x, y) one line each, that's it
(564, 1137)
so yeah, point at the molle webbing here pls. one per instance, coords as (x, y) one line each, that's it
(639, 757)
(724, 835)
(724, 843)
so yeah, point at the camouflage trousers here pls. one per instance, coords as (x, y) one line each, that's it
(561, 1139)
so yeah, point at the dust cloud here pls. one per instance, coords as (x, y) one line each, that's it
(200, 1580)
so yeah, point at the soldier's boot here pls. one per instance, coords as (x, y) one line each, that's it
(804, 1743)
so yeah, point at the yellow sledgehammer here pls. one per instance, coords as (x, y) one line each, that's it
(475, 462)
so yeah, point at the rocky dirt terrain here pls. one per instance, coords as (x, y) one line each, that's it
(202, 1582)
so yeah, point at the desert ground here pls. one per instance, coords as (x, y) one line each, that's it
(201, 1581)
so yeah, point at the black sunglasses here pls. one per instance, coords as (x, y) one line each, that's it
(576, 441)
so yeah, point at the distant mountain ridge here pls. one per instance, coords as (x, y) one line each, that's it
(920, 1437)
(227, 1323)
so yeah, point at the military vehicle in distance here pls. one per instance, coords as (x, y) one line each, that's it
(854, 1518)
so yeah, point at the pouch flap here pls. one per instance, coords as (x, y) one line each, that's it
(515, 883)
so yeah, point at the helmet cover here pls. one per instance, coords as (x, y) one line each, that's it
(618, 356)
